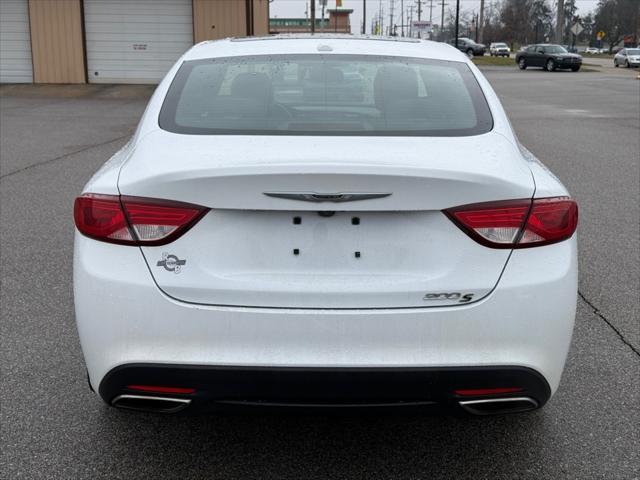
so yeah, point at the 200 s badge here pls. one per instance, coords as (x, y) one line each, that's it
(461, 297)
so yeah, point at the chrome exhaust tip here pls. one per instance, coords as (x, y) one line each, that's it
(146, 403)
(491, 406)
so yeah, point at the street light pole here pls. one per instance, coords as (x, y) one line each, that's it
(442, 22)
(364, 16)
(457, 19)
(313, 16)
(481, 22)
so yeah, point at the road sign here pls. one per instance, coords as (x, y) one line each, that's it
(420, 27)
(600, 35)
(576, 29)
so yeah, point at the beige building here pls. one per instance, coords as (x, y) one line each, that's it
(114, 41)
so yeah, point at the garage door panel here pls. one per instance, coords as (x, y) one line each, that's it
(135, 41)
(15, 42)
(98, 46)
(156, 28)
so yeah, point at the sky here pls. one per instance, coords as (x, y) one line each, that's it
(296, 8)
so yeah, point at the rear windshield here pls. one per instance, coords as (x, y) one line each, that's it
(325, 95)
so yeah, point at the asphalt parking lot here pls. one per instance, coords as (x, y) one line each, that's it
(585, 126)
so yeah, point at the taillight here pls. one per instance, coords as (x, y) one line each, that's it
(518, 223)
(134, 220)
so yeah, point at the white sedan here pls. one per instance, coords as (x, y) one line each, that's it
(627, 57)
(277, 233)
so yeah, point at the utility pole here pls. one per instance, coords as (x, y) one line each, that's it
(419, 10)
(391, 18)
(364, 16)
(457, 20)
(411, 20)
(313, 16)
(560, 22)
(431, 19)
(481, 21)
(442, 22)
(402, 17)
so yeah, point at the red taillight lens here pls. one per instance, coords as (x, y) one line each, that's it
(518, 223)
(134, 220)
(101, 217)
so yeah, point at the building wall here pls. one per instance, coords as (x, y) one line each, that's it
(260, 17)
(213, 19)
(57, 41)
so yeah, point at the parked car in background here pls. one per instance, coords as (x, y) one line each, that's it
(548, 56)
(627, 57)
(470, 47)
(593, 50)
(499, 50)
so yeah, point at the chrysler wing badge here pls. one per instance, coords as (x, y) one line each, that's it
(325, 197)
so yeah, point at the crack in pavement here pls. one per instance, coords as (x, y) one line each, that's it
(51, 160)
(608, 322)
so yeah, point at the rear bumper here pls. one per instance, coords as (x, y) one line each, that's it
(327, 387)
(124, 319)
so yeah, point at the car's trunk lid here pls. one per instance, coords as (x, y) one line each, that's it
(258, 250)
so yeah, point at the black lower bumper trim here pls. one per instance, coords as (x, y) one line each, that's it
(324, 387)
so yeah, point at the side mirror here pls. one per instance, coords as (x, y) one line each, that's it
(541, 51)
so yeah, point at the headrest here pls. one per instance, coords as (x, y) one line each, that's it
(393, 83)
(252, 85)
(325, 74)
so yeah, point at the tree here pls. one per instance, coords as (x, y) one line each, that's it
(559, 21)
(617, 18)
(570, 10)
(514, 16)
(588, 33)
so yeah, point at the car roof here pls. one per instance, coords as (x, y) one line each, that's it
(325, 44)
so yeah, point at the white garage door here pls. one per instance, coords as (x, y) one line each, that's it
(135, 41)
(15, 42)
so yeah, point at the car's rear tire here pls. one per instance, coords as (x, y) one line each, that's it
(575, 69)
(550, 66)
(522, 64)
(615, 64)
(470, 53)
(627, 64)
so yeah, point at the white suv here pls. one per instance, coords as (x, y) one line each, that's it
(499, 50)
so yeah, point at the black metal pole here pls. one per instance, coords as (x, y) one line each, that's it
(457, 19)
(313, 16)
(364, 16)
